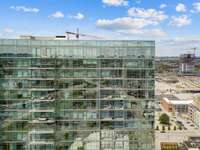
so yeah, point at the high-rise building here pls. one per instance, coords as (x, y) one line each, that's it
(187, 63)
(76, 95)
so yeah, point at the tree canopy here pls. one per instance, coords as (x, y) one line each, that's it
(164, 119)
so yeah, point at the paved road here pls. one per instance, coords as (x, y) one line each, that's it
(173, 136)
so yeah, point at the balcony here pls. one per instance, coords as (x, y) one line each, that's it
(42, 110)
(47, 131)
(43, 120)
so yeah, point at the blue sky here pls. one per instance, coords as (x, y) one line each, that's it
(174, 24)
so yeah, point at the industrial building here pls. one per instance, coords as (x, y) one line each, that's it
(76, 95)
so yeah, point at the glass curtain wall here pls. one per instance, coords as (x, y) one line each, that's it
(76, 95)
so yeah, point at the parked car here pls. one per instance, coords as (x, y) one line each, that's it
(184, 128)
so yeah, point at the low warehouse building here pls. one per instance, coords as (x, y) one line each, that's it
(173, 104)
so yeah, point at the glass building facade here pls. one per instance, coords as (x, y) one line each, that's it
(76, 95)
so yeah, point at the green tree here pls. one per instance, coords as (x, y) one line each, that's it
(164, 119)
(169, 127)
(174, 128)
(163, 128)
(197, 68)
(161, 68)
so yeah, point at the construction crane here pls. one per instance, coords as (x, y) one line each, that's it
(193, 50)
(77, 35)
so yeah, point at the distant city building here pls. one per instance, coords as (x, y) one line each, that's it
(167, 64)
(76, 95)
(173, 104)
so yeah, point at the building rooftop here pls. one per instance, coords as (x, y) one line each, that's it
(177, 99)
(170, 97)
(197, 102)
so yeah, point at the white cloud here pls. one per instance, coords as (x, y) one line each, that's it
(8, 30)
(158, 32)
(138, 1)
(180, 21)
(58, 14)
(78, 16)
(128, 25)
(144, 32)
(115, 2)
(124, 23)
(180, 7)
(192, 11)
(196, 6)
(151, 14)
(163, 6)
(25, 9)
(139, 22)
